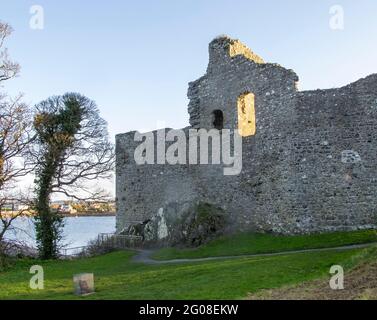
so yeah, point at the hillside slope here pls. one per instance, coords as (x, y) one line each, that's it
(360, 282)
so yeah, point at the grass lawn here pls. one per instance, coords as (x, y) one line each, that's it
(116, 277)
(251, 243)
(360, 283)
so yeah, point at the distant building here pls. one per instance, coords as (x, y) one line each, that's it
(66, 208)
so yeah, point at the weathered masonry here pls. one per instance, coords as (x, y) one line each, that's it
(309, 157)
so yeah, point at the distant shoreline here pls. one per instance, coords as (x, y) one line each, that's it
(89, 214)
(71, 215)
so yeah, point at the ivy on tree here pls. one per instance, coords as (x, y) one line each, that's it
(72, 147)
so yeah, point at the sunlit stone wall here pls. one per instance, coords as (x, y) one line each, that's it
(310, 164)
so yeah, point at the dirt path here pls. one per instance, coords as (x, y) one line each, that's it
(144, 256)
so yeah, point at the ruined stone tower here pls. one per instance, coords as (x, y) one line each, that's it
(309, 158)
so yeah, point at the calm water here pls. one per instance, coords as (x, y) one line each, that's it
(77, 231)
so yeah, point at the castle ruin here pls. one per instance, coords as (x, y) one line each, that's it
(309, 157)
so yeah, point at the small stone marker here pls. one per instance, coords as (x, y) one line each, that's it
(83, 283)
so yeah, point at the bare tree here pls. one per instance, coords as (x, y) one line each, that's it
(15, 126)
(8, 68)
(15, 136)
(72, 148)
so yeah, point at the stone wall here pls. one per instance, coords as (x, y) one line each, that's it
(311, 166)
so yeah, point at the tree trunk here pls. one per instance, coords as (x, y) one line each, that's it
(48, 224)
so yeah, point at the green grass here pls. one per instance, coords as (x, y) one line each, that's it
(251, 243)
(116, 277)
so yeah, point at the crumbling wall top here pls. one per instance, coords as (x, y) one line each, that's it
(224, 45)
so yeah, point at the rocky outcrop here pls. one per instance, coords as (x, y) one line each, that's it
(182, 224)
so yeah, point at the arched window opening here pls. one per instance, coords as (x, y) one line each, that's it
(246, 114)
(218, 119)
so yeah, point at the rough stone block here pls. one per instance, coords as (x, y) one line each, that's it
(83, 283)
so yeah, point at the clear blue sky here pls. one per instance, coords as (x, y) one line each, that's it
(135, 58)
